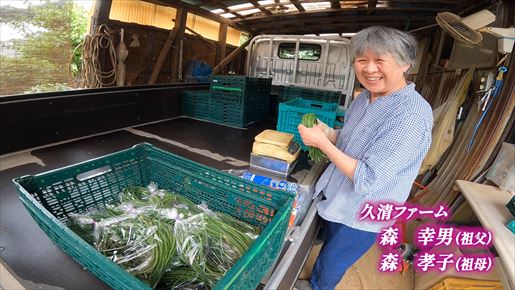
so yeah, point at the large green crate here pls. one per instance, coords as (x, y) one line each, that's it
(52, 196)
(291, 113)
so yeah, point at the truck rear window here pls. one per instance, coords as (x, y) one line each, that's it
(306, 51)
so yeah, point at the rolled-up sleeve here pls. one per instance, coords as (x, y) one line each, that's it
(400, 145)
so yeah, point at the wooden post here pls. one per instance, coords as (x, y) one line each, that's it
(162, 56)
(180, 24)
(100, 14)
(230, 57)
(222, 39)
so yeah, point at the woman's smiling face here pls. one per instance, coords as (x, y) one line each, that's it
(380, 74)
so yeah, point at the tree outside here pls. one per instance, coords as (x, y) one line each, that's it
(44, 58)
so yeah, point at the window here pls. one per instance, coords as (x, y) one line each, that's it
(306, 51)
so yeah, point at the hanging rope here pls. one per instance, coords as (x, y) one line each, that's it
(92, 73)
(179, 71)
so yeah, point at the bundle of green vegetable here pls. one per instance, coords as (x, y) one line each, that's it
(309, 120)
(165, 239)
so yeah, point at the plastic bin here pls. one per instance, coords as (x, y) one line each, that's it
(290, 93)
(239, 100)
(291, 112)
(50, 197)
(467, 284)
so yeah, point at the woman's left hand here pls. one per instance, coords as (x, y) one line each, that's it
(314, 136)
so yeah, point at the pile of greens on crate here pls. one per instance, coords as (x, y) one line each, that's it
(165, 239)
(309, 120)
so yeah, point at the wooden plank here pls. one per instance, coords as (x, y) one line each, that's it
(100, 14)
(305, 28)
(180, 23)
(331, 11)
(222, 38)
(319, 21)
(230, 57)
(162, 55)
(489, 204)
(255, 3)
(297, 5)
(335, 4)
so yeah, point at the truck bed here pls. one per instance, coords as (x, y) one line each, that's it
(32, 255)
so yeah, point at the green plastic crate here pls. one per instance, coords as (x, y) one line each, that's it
(232, 100)
(241, 82)
(290, 93)
(196, 103)
(51, 196)
(291, 112)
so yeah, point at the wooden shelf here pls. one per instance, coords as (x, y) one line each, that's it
(489, 204)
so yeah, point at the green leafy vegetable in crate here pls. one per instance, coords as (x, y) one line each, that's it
(309, 120)
(165, 239)
(211, 243)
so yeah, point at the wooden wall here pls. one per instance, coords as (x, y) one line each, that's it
(141, 61)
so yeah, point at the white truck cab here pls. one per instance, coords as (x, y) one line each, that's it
(317, 62)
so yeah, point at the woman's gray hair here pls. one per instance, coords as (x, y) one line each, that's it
(380, 40)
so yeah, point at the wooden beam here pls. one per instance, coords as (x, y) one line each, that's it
(335, 28)
(180, 23)
(335, 4)
(230, 57)
(298, 5)
(372, 3)
(201, 12)
(100, 13)
(210, 42)
(222, 38)
(222, 6)
(331, 11)
(162, 55)
(255, 3)
(303, 21)
(278, 4)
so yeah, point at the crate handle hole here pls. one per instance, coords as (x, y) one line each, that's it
(93, 173)
(316, 105)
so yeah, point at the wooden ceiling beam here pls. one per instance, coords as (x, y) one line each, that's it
(339, 19)
(278, 4)
(298, 5)
(337, 28)
(371, 4)
(221, 6)
(201, 12)
(335, 4)
(255, 3)
(329, 11)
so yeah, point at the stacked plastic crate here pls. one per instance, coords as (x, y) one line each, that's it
(290, 93)
(238, 100)
(195, 104)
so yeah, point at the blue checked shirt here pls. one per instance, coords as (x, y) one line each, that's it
(389, 138)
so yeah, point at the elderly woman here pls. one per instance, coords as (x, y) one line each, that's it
(376, 155)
